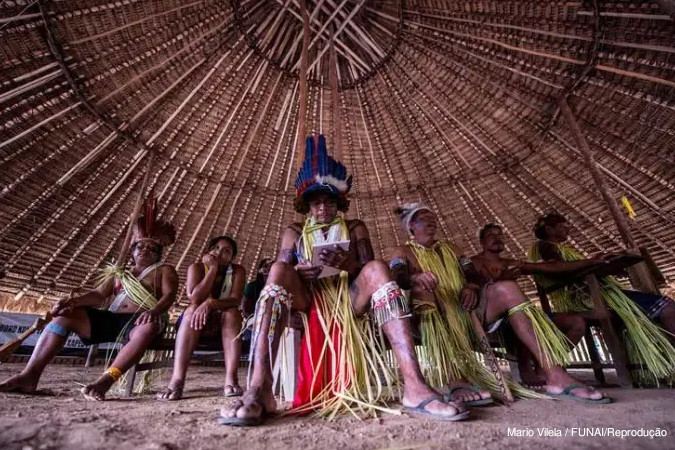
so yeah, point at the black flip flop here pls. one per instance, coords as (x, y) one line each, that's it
(421, 412)
(567, 395)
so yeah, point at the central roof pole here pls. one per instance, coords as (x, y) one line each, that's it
(302, 76)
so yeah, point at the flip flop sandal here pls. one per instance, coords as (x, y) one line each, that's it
(244, 421)
(234, 391)
(567, 395)
(475, 388)
(421, 411)
(171, 395)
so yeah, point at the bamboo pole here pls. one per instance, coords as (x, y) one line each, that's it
(639, 274)
(335, 95)
(302, 109)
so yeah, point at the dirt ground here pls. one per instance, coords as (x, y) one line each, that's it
(61, 418)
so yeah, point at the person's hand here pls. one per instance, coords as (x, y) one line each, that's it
(468, 298)
(149, 316)
(63, 306)
(425, 280)
(209, 260)
(335, 257)
(307, 272)
(199, 316)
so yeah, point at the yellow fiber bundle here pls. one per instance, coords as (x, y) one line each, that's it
(358, 363)
(646, 343)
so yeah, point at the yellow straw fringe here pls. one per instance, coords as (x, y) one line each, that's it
(361, 374)
(647, 344)
(449, 339)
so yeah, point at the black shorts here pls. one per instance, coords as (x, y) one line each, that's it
(108, 326)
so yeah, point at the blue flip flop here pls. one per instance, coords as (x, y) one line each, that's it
(567, 395)
(421, 411)
(475, 388)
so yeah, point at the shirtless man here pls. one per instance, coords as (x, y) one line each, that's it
(214, 287)
(129, 322)
(490, 267)
(492, 302)
(363, 285)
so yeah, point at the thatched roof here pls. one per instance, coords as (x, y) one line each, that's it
(446, 102)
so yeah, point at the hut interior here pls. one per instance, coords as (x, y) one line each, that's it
(455, 104)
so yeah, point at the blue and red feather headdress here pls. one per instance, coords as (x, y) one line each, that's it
(320, 172)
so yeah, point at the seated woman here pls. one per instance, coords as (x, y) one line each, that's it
(214, 288)
(133, 318)
(646, 343)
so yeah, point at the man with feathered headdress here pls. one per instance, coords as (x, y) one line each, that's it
(141, 296)
(441, 297)
(341, 365)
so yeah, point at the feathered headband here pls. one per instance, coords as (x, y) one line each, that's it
(320, 172)
(149, 228)
(407, 211)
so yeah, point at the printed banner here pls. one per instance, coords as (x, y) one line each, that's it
(13, 324)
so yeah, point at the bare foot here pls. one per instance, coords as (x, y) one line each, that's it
(254, 405)
(437, 407)
(533, 378)
(233, 390)
(97, 389)
(463, 391)
(21, 383)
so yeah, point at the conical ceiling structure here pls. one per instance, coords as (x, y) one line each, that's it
(451, 103)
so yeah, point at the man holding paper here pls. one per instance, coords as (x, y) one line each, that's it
(326, 268)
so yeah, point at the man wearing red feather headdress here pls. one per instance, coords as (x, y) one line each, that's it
(142, 296)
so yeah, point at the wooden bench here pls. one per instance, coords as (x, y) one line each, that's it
(207, 350)
(600, 317)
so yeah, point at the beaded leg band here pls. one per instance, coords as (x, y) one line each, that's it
(554, 346)
(55, 328)
(388, 303)
(114, 373)
(280, 298)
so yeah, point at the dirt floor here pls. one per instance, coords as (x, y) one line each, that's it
(61, 418)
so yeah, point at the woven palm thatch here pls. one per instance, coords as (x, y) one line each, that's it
(452, 103)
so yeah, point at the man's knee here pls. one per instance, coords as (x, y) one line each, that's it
(189, 311)
(377, 270)
(229, 316)
(144, 331)
(279, 270)
(506, 291)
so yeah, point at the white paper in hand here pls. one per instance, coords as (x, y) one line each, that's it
(316, 261)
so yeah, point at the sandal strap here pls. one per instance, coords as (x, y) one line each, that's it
(423, 404)
(572, 387)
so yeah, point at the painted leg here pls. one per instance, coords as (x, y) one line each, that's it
(460, 389)
(139, 339)
(187, 339)
(49, 345)
(231, 327)
(375, 278)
